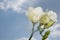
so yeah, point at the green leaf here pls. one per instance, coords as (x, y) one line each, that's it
(49, 24)
(46, 35)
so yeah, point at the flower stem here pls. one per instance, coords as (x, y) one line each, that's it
(32, 32)
(31, 36)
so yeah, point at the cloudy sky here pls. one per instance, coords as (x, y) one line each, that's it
(15, 26)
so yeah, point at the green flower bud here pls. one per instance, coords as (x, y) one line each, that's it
(45, 36)
(49, 24)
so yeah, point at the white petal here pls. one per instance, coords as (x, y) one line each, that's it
(38, 11)
(34, 14)
(52, 15)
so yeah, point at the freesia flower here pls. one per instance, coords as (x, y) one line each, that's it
(48, 19)
(50, 15)
(45, 19)
(53, 18)
(34, 14)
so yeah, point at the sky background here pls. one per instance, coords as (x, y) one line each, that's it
(15, 26)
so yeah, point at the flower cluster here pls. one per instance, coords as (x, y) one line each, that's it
(45, 19)
(38, 15)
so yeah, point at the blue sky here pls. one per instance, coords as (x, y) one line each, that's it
(15, 26)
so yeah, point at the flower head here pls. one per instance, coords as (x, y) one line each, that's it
(34, 14)
(48, 19)
(50, 15)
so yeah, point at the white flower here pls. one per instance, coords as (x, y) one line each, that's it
(52, 15)
(34, 14)
(37, 15)
(48, 19)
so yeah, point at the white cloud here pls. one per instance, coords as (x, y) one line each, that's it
(55, 27)
(14, 4)
(24, 38)
(1, 5)
(55, 34)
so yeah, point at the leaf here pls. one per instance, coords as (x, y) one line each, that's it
(46, 35)
(49, 24)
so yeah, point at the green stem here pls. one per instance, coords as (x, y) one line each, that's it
(40, 29)
(32, 32)
(31, 36)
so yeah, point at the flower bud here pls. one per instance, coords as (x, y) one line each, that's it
(49, 24)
